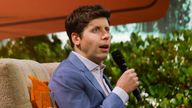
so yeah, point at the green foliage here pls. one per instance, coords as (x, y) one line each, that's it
(163, 64)
(39, 48)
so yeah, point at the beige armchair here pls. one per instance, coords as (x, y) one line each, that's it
(15, 84)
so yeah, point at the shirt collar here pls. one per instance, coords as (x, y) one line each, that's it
(88, 63)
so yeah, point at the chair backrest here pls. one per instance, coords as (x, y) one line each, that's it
(15, 84)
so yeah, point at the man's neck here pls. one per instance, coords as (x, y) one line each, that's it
(80, 53)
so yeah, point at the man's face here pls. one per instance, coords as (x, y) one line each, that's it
(95, 40)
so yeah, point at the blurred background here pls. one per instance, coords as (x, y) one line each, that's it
(160, 51)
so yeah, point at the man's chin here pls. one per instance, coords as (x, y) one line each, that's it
(103, 57)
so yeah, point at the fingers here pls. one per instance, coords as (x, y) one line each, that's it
(129, 80)
(137, 83)
(132, 73)
(133, 76)
(130, 70)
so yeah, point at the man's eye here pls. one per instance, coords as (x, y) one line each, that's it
(95, 30)
(107, 29)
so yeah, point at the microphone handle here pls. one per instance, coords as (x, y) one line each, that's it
(119, 59)
(136, 93)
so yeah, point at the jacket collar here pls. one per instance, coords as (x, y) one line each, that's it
(77, 62)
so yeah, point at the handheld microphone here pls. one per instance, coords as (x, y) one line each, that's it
(119, 59)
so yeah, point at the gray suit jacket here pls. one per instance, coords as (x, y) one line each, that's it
(74, 86)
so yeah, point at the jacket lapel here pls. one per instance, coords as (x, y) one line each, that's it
(108, 83)
(76, 61)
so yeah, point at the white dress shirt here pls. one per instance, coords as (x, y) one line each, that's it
(97, 71)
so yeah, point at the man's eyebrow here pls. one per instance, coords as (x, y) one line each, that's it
(101, 26)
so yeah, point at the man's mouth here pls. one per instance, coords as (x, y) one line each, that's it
(104, 46)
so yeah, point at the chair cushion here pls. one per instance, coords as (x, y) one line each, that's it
(15, 84)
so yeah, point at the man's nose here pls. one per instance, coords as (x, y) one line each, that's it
(106, 36)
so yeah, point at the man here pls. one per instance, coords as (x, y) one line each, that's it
(78, 82)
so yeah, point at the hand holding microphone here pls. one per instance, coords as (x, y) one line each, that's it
(128, 80)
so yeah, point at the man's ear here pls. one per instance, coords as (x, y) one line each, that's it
(75, 39)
